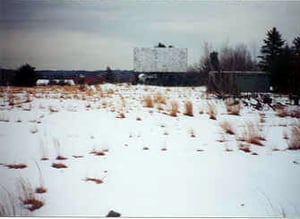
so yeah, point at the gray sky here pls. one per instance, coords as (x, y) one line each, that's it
(93, 34)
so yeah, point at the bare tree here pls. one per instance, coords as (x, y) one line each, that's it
(236, 59)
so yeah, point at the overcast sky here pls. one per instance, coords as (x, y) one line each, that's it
(93, 34)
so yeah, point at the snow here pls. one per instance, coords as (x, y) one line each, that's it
(193, 177)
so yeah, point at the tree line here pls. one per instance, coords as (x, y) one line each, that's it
(276, 57)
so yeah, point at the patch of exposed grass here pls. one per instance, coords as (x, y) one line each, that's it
(252, 134)
(16, 166)
(212, 110)
(28, 197)
(95, 180)
(174, 109)
(188, 108)
(59, 165)
(245, 148)
(148, 101)
(227, 127)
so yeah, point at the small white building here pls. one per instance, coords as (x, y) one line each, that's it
(44, 82)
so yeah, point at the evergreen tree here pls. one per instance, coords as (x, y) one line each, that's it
(25, 76)
(294, 81)
(271, 53)
(109, 77)
(214, 60)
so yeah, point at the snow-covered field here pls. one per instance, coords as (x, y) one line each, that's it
(124, 150)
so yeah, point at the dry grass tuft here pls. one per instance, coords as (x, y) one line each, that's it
(138, 119)
(53, 109)
(294, 143)
(40, 190)
(159, 98)
(16, 166)
(121, 115)
(192, 133)
(212, 110)
(60, 157)
(245, 148)
(174, 109)
(188, 108)
(233, 107)
(148, 101)
(28, 197)
(99, 153)
(227, 127)
(59, 165)
(110, 91)
(252, 134)
(97, 181)
(146, 148)
(77, 156)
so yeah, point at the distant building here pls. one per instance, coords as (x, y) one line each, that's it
(238, 81)
(44, 82)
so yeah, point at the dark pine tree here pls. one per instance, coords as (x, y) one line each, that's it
(271, 53)
(294, 81)
(214, 60)
(109, 76)
(25, 76)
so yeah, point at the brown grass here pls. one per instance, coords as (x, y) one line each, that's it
(227, 127)
(192, 133)
(174, 109)
(146, 148)
(99, 152)
(77, 156)
(245, 148)
(95, 180)
(28, 198)
(60, 157)
(159, 98)
(294, 143)
(59, 165)
(188, 108)
(233, 107)
(148, 101)
(16, 166)
(212, 110)
(252, 134)
(53, 109)
(40, 190)
(121, 115)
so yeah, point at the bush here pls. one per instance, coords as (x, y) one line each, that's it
(25, 76)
